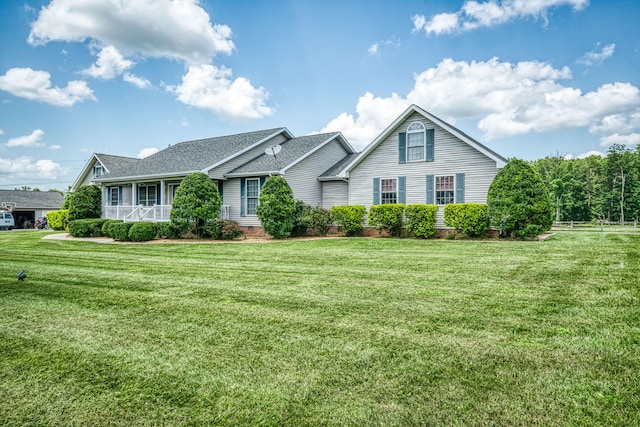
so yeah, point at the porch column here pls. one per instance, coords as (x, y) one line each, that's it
(162, 192)
(134, 190)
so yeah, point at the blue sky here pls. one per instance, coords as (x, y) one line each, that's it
(127, 77)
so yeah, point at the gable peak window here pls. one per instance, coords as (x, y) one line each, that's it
(416, 141)
(98, 170)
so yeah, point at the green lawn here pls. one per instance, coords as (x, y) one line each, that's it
(328, 332)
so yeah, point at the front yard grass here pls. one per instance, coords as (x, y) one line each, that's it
(328, 332)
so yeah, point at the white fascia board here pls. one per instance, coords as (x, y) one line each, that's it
(144, 177)
(251, 147)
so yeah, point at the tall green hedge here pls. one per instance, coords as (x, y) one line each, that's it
(276, 207)
(86, 202)
(388, 217)
(469, 218)
(349, 219)
(421, 220)
(58, 220)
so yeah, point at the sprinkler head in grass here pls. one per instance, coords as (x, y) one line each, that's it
(22, 275)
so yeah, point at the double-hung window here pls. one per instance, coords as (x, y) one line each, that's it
(253, 192)
(445, 189)
(114, 196)
(416, 140)
(388, 190)
(147, 195)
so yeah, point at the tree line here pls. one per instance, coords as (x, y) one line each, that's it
(594, 188)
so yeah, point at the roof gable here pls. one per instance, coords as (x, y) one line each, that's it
(195, 156)
(500, 161)
(293, 151)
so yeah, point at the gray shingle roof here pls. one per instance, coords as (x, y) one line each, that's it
(292, 150)
(32, 199)
(191, 156)
(334, 170)
(113, 163)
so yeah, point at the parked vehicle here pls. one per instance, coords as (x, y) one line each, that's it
(41, 223)
(6, 220)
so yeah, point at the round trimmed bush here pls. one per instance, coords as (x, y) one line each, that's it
(120, 230)
(143, 231)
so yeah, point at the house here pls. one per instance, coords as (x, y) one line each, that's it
(26, 206)
(143, 189)
(419, 158)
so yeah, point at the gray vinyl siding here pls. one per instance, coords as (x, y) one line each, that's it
(451, 156)
(334, 193)
(232, 198)
(303, 177)
(218, 172)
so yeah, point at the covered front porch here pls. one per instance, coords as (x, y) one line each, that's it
(144, 201)
(155, 213)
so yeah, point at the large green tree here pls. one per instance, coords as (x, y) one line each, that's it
(276, 207)
(197, 202)
(518, 201)
(86, 202)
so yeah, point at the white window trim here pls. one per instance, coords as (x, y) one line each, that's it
(111, 191)
(397, 189)
(424, 141)
(246, 196)
(95, 168)
(435, 191)
(146, 186)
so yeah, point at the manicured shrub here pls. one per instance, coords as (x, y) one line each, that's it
(421, 220)
(86, 227)
(120, 230)
(67, 201)
(388, 217)
(349, 219)
(518, 201)
(319, 219)
(58, 220)
(107, 226)
(230, 230)
(167, 230)
(300, 219)
(222, 229)
(143, 231)
(276, 207)
(468, 218)
(197, 202)
(86, 202)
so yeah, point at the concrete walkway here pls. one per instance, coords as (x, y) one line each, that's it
(64, 236)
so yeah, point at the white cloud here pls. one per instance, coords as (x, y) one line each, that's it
(177, 29)
(36, 86)
(15, 170)
(140, 82)
(146, 152)
(596, 58)
(110, 64)
(55, 147)
(374, 49)
(474, 14)
(1, 132)
(30, 141)
(442, 23)
(210, 87)
(506, 99)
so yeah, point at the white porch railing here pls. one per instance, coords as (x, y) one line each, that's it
(149, 213)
